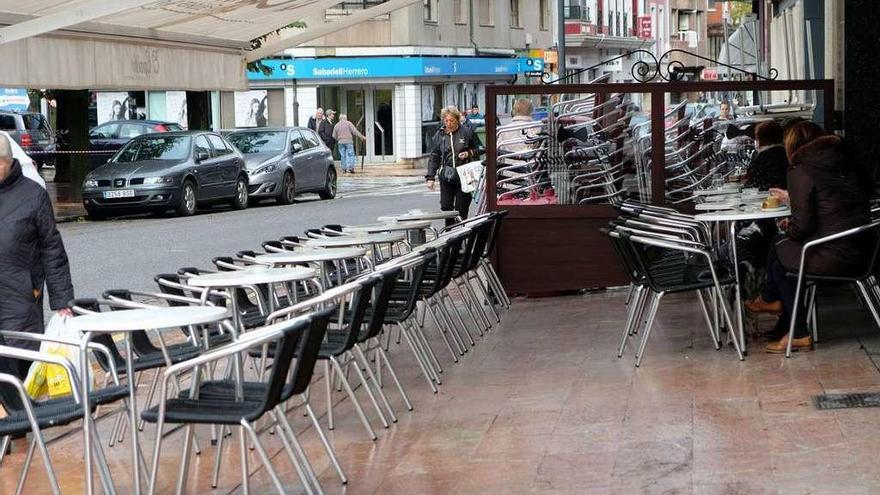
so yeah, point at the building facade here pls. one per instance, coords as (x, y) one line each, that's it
(392, 75)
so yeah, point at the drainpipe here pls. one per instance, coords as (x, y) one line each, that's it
(471, 27)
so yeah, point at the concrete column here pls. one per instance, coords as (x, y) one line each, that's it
(407, 122)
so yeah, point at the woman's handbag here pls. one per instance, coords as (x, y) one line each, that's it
(448, 173)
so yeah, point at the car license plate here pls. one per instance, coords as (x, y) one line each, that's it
(121, 193)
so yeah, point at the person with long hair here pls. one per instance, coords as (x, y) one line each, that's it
(827, 196)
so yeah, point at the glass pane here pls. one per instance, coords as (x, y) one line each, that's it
(573, 149)
(356, 110)
(383, 140)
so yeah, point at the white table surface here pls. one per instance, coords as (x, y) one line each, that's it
(252, 276)
(306, 255)
(356, 240)
(716, 205)
(388, 227)
(737, 215)
(129, 320)
(421, 215)
(716, 192)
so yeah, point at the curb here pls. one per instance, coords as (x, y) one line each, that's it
(69, 218)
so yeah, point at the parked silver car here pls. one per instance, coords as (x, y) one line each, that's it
(284, 161)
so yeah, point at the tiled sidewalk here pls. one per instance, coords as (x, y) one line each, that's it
(543, 405)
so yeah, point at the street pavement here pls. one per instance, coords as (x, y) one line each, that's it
(126, 253)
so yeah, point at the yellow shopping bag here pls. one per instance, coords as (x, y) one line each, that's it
(35, 383)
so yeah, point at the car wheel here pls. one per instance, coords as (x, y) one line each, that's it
(329, 191)
(187, 205)
(240, 200)
(288, 189)
(96, 215)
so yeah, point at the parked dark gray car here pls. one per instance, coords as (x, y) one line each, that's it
(110, 137)
(168, 171)
(32, 132)
(284, 161)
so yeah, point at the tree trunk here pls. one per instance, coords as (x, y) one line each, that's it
(198, 104)
(73, 127)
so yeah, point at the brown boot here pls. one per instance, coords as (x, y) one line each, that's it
(759, 305)
(797, 344)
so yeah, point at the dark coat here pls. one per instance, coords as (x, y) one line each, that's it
(463, 139)
(311, 124)
(31, 254)
(768, 168)
(325, 131)
(826, 198)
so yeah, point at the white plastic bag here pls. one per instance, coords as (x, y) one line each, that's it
(470, 175)
(51, 379)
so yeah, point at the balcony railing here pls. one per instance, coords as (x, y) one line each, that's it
(343, 9)
(577, 13)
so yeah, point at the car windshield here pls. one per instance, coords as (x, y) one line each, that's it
(35, 122)
(174, 148)
(259, 142)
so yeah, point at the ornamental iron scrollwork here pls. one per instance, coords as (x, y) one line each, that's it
(649, 67)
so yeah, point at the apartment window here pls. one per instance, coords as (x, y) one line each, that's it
(514, 13)
(544, 7)
(684, 21)
(487, 12)
(430, 10)
(460, 11)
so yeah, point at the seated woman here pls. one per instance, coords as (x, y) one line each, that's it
(767, 170)
(826, 196)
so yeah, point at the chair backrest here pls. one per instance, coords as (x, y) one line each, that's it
(449, 255)
(89, 305)
(274, 247)
(416, 271)
(307, 353)
(387, 281)
(497, 218)
(285, 348)
(140, 341)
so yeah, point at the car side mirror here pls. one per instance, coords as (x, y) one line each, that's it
(202, 156)
(296, 147)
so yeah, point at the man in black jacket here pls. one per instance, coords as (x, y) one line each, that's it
(325, 129)
(454, 145)
(31, 255)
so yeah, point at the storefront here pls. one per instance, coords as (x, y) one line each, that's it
(394, 101)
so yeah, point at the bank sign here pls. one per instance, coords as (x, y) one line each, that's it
(376, 67)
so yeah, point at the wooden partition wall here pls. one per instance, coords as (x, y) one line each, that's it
(556, 248)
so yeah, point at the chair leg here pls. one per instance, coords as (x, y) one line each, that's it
(501, 293)
(153, 384)
(712, 330)
(477, 317)
(359, 356)
(442, 331)
(381, 356)
(218, 455)
(354, 363)
(794, 311)
(421, 341)
(449, 306)
(328, 447)
(473, 279)
(246, 426)
(632, 315)
(652, 314)
(157, 448)
(869, 302)
(419, 358)
(243, 451)
(354, 400)
(26, 466)
(297, 454)
(328, 385)
(4, 446)
(183, 474)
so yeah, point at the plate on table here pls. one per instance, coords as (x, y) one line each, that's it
(778, 208)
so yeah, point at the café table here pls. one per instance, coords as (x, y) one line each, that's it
(416, 215)
(126, 322)
(749, 213)
(325, 257)
(415, 229)
(371, 240)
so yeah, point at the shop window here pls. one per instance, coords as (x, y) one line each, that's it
(432, 103)
(487, 12)
(514, 14)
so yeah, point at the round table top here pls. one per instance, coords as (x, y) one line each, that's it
(737, 215)
(130, 320)
(307, 255)
(420, 215)
(718, 192)
(716, 205)
(252, 275)
(356, 240)
(388, 227)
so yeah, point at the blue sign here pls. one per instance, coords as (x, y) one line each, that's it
(373, 67)
(15, 100)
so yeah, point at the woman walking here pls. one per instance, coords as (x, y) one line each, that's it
(454, 145)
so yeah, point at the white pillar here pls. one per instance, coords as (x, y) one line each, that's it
(307, 98)
(407, 121)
